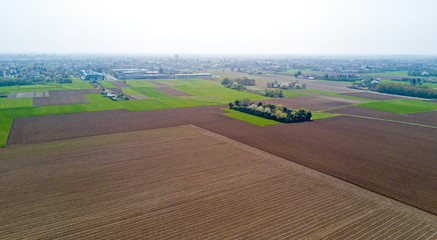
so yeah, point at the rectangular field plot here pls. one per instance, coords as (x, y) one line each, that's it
(15, 103)
(5, 125)
(140, 83)
(17, 95)
(185, 183)
(401, 106)
(146, 91)
(249, 118)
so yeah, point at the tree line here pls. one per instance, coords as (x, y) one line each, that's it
(270, 111)
(244, 81)
(406, 90)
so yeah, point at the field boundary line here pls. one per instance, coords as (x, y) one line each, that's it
(388, 120)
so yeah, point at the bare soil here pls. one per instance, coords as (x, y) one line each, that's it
(172, 92)
(64, 97)
(185, 183)
(393, 159)
(63, 126)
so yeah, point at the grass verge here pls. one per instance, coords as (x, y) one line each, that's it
(248, 118)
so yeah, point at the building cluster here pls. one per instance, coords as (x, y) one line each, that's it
(92, 76)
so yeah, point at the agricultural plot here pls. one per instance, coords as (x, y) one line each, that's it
(249, 118)
(5, 124)
(172, 92)
(335, 94)
(401, 106)
(392, 159)
(372, 95)
(186, 183)
(217, 93)
(314, 103)
(142, 83)
(106, 84)
(148, 92)
(428, 118)
(18, 95)
(48, 128)
(15, 103)
(64, 97)
(119, 84)
(98, 102)
(287, 93)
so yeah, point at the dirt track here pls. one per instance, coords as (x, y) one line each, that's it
(64, 97)
(172, 92)
(185, 183)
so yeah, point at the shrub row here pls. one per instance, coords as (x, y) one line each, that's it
(406, 90)
(269, 111)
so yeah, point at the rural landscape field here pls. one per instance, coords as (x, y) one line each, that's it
(230, 119)
(175, 162)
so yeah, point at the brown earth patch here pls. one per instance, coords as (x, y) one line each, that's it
(393, 159)
(308, 102)
(185, 183)
(172, 92)
(371, 95)
(63, 126)
(62, 97)
(119, 84)
(158, 83)
(425, 118)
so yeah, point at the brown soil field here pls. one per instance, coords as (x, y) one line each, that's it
(393, 159)
(62, 126)
(172, 92)
(185, 183)
(119, 84)
(158, 83)
(313, 102)
(371, 95)
(38, 94)
(425, 118)
(64, 97)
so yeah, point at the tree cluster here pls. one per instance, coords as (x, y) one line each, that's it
(269, 111)
(423, 73)
(244, 81)
(341, 77)
(406, 90)
(274, 93)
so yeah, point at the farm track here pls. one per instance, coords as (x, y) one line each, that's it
(185, 183)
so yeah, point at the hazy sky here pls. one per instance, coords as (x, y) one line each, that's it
(219, 26)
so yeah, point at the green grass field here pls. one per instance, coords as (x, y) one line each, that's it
(217, 93)
(401, 106)
(335, 94)
(140, 83)
(5, 125)
(15, 103)
(106, 84)
(248, 118)
(431, 85)
(98, 102)
(287, 93)
(320, 115)
(148, 92)
(390, 74)
(48, 87)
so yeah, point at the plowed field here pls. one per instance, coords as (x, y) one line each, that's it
(185, 183)
(64, 97)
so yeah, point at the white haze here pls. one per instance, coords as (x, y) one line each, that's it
(219, 26)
